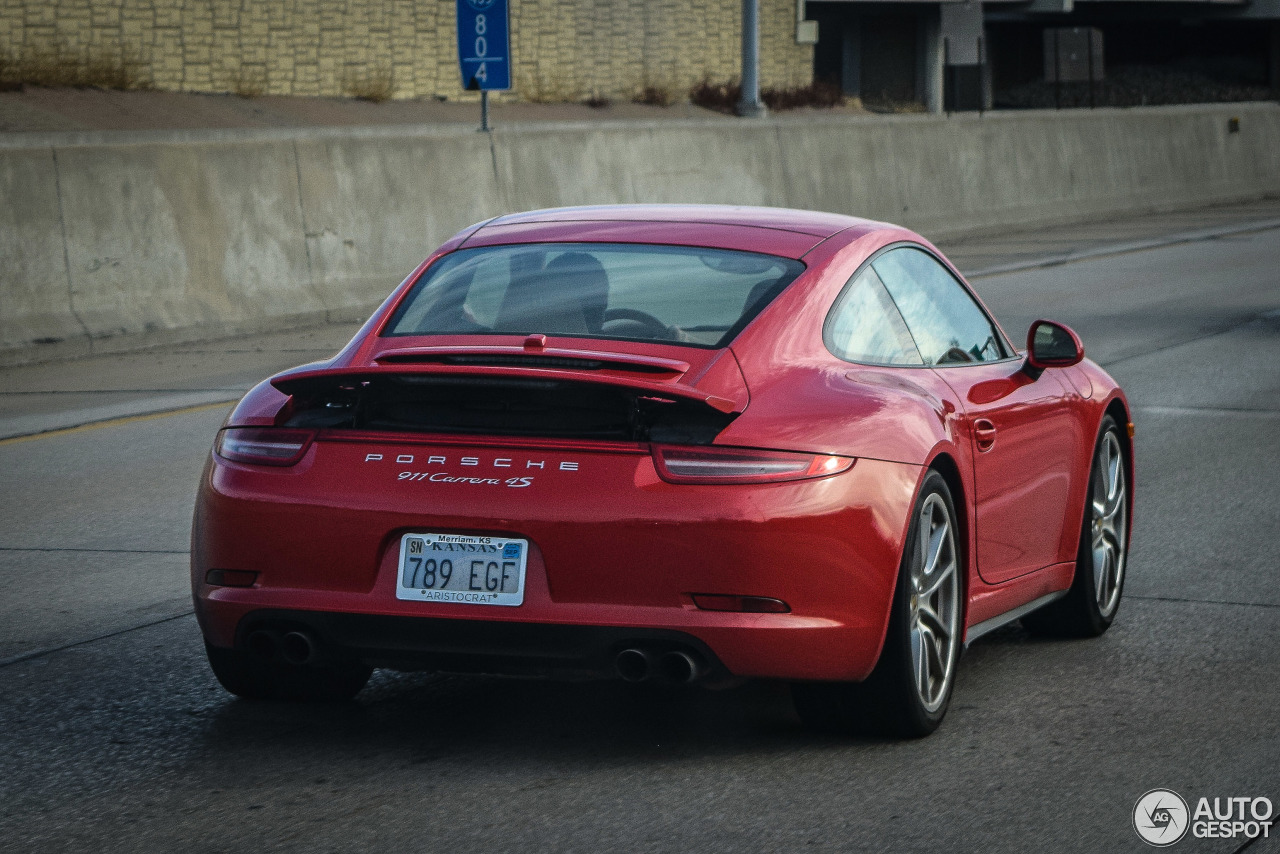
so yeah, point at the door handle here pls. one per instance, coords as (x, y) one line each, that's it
(984, 434)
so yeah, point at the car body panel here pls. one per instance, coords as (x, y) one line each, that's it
(659, 216)
(787, 244)
(654, 553)
(1023, 479)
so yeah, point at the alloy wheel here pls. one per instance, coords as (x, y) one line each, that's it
(935, 604)
(1109, 527)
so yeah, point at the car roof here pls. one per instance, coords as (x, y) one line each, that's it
(775, 231)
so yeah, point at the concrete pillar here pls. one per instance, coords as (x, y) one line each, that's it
(964, 54)
(851, 59)
(1274, 59)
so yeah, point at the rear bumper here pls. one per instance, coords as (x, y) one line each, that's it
(785, 646)
(607, 567)
(476, 646)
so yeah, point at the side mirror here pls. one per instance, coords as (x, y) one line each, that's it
(1051, 345)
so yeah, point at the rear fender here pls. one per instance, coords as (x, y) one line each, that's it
(892, 414)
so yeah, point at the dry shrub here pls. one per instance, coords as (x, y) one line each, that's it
(817, 94)
(539, 88)
(376, 83)
(250, 81)
(724, 97)
(889, 105)
(8, 80)
(721, 97)
(58, 66)
(657, 96)
(1140, 86)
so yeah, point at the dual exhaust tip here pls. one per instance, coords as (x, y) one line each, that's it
(295, 647)
(637, 665)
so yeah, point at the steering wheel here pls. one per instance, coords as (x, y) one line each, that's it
(652, 326)
(954, 356)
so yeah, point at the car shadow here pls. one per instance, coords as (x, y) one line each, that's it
(426, 718)
(430, 716)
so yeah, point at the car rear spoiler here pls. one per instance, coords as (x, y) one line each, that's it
(724, 388)
(497, 356)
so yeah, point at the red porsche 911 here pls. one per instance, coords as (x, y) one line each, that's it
(686, 443)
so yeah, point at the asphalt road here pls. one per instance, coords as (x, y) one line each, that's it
(114, 736)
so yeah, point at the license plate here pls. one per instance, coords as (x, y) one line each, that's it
(461, 569)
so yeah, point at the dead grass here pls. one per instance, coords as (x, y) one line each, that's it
(250, 81)
(8, 80)
(889, 105)
(545, 89)
(817, 94)
(376, 83)
(723, 97)
(658, 96)
(59, 66)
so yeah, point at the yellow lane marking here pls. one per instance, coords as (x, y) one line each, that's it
(115, 422)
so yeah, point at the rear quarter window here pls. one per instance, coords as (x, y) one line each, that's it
(864, 325)
(947, 325)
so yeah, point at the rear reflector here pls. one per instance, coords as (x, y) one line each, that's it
(268, 446)
(742, 465)
(231, 577)
(746, 604)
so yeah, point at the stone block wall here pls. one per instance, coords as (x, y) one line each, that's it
(562, 49)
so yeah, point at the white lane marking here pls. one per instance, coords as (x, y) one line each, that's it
(1208, 412)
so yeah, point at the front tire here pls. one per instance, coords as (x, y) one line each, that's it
(908, 692)
(1091, 604)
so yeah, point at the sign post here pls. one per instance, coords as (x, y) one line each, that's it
(484, 50)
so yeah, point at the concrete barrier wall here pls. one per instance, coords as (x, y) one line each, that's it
(113, 241)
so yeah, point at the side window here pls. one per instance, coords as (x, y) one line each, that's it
(947, 325)
(864, 326)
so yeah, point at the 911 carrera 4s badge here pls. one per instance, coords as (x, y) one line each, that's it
(445, 477)
(461, 569)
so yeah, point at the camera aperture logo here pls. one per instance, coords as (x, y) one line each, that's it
(1160, 817)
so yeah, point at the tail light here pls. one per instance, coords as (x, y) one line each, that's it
(267, 446)
(743, 465)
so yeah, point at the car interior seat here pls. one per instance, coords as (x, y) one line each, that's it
(568, 296)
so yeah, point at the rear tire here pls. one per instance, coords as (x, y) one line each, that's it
(908, 692)
(1091, 604)
(256, 678)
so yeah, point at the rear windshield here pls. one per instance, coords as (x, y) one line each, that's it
(699, 297)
